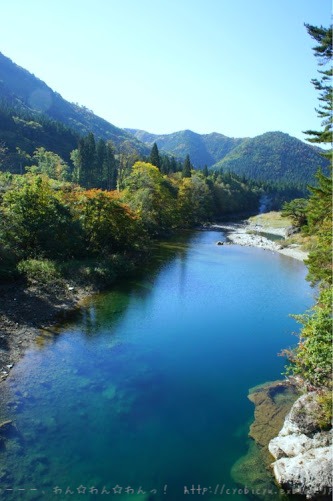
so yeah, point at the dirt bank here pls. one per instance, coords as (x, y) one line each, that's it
(25, 310)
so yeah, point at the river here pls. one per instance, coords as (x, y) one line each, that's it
(143, 394)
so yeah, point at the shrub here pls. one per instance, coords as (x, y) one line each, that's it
(41, 271)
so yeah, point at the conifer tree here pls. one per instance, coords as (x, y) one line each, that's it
(186, 172)
(100, 164)
(319, 210)
(154, 157)
(111, 172)
(87, 160)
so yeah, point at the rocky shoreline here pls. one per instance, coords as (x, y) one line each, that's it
(288, 445)
(250, 234)
(303, 452)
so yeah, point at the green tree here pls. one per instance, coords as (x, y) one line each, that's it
(323, 51)
(35, 222)
(194, 200)
(319, 211)
(186, 172)
(312, 359)
(111, 167)
(205, 171)
(152, 197)
(86, 161)
(51, 164)
(100, 172)
(108, 225)
(154, 157)
(296, 210)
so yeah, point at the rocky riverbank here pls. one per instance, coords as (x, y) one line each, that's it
(303, 452)
(251, 234)
(287, 428)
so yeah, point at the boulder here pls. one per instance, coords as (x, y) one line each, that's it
(302, 416)
(303, 453)
(308, 474)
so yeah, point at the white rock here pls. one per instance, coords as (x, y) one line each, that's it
(309, 474)
(302, 416)
(290, 445)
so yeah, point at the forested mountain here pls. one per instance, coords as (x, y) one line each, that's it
(22, 132)
(21, 90)
(275, 156)
(204, 149)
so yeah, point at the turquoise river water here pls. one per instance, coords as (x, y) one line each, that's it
(143, 394)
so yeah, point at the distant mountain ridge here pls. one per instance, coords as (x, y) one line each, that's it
(204, 149)
(27, 93)
(272, 156)
(275, 156)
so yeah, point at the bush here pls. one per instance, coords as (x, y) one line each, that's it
(41, 271)
(312, 358)
(324, 416)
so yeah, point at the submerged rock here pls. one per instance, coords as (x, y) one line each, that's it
(272, 403)
(8, 429)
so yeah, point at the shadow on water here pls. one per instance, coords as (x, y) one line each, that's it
(105, 309)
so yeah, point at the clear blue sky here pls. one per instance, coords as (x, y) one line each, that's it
(238, 67)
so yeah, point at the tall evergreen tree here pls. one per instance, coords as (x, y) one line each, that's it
(87, 160)
(111, 173)
(100, 177)
(205, 171)
(173, 165)
(154, 157)
(186, 172)
(320, 203)
(165, 164)
(323, 51)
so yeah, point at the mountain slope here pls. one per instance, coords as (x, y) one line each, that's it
(204, 149)
(274, 156)
(25, 92)
(21, 133)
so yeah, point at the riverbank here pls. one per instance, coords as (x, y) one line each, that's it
(251, 232)
(26, 310)
(37, 302)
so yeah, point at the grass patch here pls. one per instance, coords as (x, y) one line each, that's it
(271, 219)
(306, 243)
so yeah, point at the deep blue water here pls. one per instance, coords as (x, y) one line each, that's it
(146, 388)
